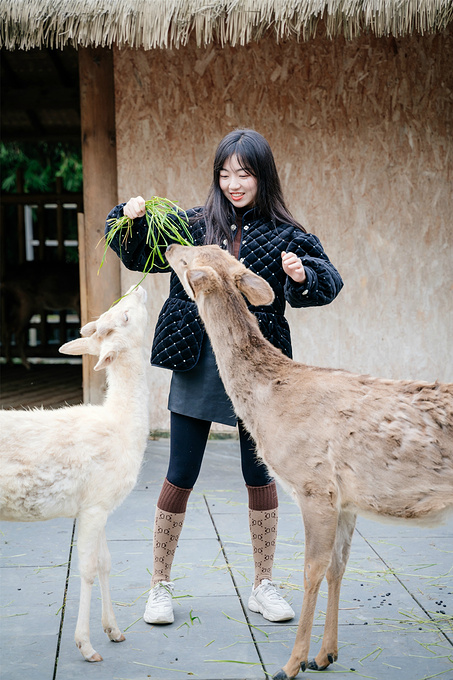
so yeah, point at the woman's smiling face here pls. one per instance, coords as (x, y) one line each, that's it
(237, 184)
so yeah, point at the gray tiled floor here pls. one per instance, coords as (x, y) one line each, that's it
(396, 605)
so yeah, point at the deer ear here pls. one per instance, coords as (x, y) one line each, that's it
(105, 359)
(197, 281)
(88, 329)
(78, 346)
(257, 291)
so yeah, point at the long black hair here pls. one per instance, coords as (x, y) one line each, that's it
(255, 156)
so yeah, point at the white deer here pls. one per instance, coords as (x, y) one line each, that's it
(340, 444)
(82, 461)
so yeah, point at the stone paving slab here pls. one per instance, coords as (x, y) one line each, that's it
(193, 645)
(32, 544)
(396, 597)
(31, 601)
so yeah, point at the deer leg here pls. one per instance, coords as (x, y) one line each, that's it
(320, 520)
(6, 342)
(340, 554)
(109, 623)
(91, 526)
(21, 344)
(24, 315)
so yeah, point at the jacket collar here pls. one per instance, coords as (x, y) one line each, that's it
(252, 214)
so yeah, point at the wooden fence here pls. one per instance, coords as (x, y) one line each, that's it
(39, 269)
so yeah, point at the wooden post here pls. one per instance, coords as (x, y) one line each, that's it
(97, 106)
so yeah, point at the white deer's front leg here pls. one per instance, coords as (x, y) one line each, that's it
(91, 526)
(109, 623)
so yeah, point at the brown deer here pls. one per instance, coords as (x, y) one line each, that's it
(35, 288)
(341, 444)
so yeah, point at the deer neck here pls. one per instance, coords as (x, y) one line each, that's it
(242, 353)
(127, 405)
(127, 386)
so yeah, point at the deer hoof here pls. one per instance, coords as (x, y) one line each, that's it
(281, 675)
(95, 657)
(114, 635)
(120, 639)
(313, 666)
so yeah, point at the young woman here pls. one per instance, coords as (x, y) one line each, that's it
(245, 213)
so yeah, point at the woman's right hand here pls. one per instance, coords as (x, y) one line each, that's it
(135, 207)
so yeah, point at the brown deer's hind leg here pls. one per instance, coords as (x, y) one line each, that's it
(340, 554)
(320, 519)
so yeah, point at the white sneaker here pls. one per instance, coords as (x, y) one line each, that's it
(267, 601)
(159, 607)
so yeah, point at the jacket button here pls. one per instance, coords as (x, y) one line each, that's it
(246, 227)
(305, 292)
(233, 226)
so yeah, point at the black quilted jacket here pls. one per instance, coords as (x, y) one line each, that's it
(179, 330)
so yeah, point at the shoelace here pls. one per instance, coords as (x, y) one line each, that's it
(161, 593)
(269, 590)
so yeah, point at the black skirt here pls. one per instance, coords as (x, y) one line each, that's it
(199, 393)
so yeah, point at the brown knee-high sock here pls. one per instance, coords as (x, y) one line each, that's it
(263, 520)
(168, 522)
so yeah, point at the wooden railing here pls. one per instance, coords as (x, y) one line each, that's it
(38, 260)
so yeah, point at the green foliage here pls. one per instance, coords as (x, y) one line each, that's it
(41, 163)
(166, 224)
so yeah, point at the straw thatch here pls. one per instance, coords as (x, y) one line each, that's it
(167, 23)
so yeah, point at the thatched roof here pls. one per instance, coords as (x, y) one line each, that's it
(166, 23)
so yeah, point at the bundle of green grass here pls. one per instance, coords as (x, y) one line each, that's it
(166, 224)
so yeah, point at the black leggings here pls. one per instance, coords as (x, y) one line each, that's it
(187, 447)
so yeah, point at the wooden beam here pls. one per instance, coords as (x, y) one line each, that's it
(99, 195)
(42, 97)
(27, 134)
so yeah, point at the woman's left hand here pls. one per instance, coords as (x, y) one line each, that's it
(293, 267)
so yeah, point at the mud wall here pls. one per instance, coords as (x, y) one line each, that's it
(362, 136)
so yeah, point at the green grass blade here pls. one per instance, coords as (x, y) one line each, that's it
(166, 224)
